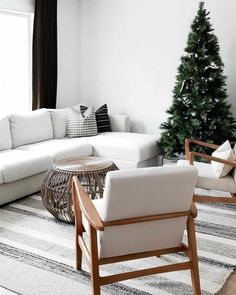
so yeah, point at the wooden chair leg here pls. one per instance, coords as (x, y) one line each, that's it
(193, 255)
(94, 266)
(78, 232)
(78, 252)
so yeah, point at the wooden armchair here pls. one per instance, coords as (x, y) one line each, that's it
(138, 217)
(206, 177)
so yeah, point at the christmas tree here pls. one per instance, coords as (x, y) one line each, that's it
(199, 108)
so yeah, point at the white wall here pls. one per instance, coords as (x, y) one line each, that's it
(126, 53)
(68, 52)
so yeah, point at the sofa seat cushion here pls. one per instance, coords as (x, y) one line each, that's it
(60, 149)
(18, 164)
(125, 146)
(207, 178)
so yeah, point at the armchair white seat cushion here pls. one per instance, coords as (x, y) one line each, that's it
(207, 178)
(144, 192)
(17, 164)
(60, 149)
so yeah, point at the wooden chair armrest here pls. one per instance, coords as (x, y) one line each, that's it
(210, 158)
(197, 142)
(87, 207)
(193, 210)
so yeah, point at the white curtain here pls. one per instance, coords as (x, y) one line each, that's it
(18, 5)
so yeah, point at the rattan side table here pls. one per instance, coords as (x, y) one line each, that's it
(56, 187)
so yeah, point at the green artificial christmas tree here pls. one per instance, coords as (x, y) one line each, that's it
(199, 108)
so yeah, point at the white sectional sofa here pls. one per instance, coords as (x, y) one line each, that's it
(31, 142)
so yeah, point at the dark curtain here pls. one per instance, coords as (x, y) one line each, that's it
(45, 54)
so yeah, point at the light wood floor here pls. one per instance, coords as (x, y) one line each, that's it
(229, 288)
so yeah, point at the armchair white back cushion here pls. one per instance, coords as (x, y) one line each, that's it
(30, 127)
(5, 139)
(145, 192)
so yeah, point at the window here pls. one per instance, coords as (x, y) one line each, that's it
(15, 61)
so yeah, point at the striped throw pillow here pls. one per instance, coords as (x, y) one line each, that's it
(102, 118)
(81, 125)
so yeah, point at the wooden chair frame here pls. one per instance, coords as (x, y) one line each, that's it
(82, 203)
(190, 157)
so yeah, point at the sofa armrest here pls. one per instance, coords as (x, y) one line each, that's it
(119, 123)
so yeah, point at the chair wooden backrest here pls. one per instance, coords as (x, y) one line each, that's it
(192, 155)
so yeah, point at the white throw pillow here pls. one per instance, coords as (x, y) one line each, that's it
(224, 152)
(80, 125)
(5, 139)
(30, 127)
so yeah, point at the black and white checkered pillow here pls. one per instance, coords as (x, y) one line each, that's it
(102, 117)
(80, 125)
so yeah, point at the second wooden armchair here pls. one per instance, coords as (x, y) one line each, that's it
(206, 176)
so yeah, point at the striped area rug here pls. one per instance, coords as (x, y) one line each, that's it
(37, 255)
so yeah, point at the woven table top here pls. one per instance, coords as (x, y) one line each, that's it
(84, 164)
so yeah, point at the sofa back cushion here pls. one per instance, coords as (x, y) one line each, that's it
(59, 121)
(5, 139)
(30, 127)
(119, 123)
